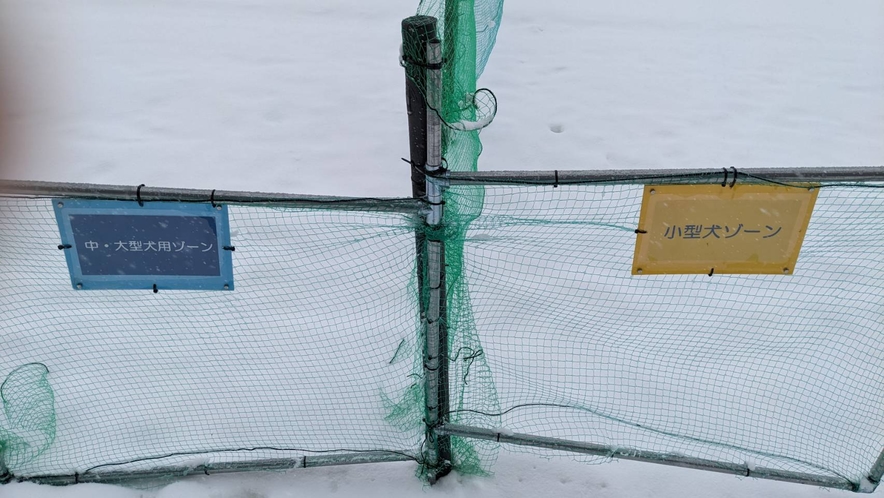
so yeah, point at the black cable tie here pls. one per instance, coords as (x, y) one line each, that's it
(711, 272)
(138, 195)
(498, 437)
(305, 461)
(556, 184)
(76, 478)
(229, 248)
(64, 246)
(437, 65)
(724, 182)
(639, 230)
(441, 203)
(155, 290)
(734, 182)
(416, 167)
(441, 171)
(212, 199)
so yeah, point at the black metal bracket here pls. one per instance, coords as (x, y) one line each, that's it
(439, 472)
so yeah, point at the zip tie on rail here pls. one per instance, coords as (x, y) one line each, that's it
(724, 182)
(138, 195)
(212, 199)
(734, 182)
(64, 246)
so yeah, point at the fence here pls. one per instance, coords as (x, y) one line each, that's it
(301, 365)
(762, 375)
(496, 309)
(324, 353)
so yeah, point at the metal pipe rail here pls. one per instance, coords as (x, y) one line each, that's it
(154, 194)
(651, 456)
(269, 464)
(710, 176)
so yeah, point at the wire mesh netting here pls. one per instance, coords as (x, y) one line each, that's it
(311, 354)
(768, 370)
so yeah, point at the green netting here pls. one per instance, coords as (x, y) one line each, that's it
(319, 348)
(29, 409)
(467, 29)
(308, 355)
(767, 370)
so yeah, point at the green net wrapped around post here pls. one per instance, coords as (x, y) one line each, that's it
(468, 30)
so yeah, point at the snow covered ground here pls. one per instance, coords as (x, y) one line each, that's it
(307, 97)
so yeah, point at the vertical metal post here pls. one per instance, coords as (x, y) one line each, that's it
(870, 483)
(436, 348)
(5, 475)
(417, 31)
(422, 58)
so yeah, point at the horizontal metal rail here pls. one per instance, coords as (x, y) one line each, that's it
(149, 194)
(722, 176)
(271, 464)
(648, 456)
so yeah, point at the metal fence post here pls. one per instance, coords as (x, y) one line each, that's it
(416, 32)
(871, 482)
(5, 475)
(422, 58)
(436, 358)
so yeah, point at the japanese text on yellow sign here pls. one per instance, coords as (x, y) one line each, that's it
(712, 229)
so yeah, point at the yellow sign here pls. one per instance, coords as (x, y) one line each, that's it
(713, 229)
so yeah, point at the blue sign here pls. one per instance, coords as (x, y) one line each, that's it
(160, 245)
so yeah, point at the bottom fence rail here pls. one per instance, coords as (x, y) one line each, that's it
(270, 464)
(654, 457)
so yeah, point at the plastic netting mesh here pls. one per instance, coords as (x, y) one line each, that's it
(467, 30)
(550, 334)
(768, 370)
(305, 356)
(319, 348)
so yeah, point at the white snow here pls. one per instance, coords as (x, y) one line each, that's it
(307, 97)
